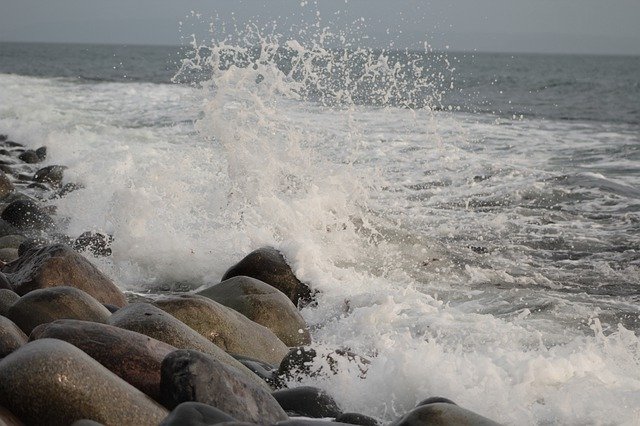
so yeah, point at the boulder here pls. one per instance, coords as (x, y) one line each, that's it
(85, 422)
(11, 337)
(7, 229)
(356, 419)
(151, 321)
(59, 265)
(267, 264)
(189, 375)
(225, 327)
(306, 362)
(196, 414)
(442, 414)
(49, 381)
(132, 356)
(8, 254)
(266, 372)
(8, 419)
(27, 215)
(52, 175)
(12, 241)
(42, 153)
(4, 282)
(32, 243)
(307, 401)
(263, 304)
(7, 299)
(30, 157)
(96, 243)
(6, 187)
(435, 399)
(50, 304)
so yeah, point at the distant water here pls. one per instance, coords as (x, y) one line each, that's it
(471, 220)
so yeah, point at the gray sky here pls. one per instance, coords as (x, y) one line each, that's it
(559, 26)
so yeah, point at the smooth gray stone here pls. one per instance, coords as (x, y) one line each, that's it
(196, 414)
(442, 414)
(151, 321)
(53, 382)
(269, 265)
(264, 304)
(307, 401)
(189, 375)
(50, 304)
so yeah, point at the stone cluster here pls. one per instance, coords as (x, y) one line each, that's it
(75, 351)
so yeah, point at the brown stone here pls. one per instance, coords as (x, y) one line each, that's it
(50, 304)
(225, 327)
(263, 304)
(151, 321)
(52, 382)
(443, 414)
(269, 265)
(59, 265)
(11, 337)
(134, 357)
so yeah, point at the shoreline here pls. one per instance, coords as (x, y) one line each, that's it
(230, 352)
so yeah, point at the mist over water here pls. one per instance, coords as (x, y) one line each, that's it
(468, 252)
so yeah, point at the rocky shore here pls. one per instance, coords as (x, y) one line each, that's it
(74, 349)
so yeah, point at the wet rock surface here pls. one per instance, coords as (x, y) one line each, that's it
(269, 265)
(59, 265)
(225, 327)
(263, 304)
(52, 382)
(50, 304)
(189, 375)
(11, 337)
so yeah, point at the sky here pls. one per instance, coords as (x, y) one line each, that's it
(544, 26)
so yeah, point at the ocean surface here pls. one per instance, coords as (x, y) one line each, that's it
(472, 221)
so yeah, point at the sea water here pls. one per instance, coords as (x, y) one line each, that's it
(471, 221)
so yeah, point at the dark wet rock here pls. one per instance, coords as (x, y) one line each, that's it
(4, 282)
(86, 422)
(267, 264)
(12, 241)
(11, 337)
(60, 265)
(305, 361)
(196, 414)
(7, 418)
(31, 243)
(30, 157)
(151, 321)
(69, 187)
(6, 168)
(263, 304)
(95, 242)
(26, 215)
(225, 327)
(42, 153)
(39, 186)
(111, 308)
(434, 400)
(266, 372)
(3, 137)
(6, 187)
(189, 375)
(442, 414)
(25, 177)
(7, 299)
(53, 381)
(52, 175)
(8, 254)
(12, 144)
(307, 401)
(303, 421)
(132, 356)
(49, 304)
(356, 419)
(7, 229)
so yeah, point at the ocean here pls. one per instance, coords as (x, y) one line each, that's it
(471, 221)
